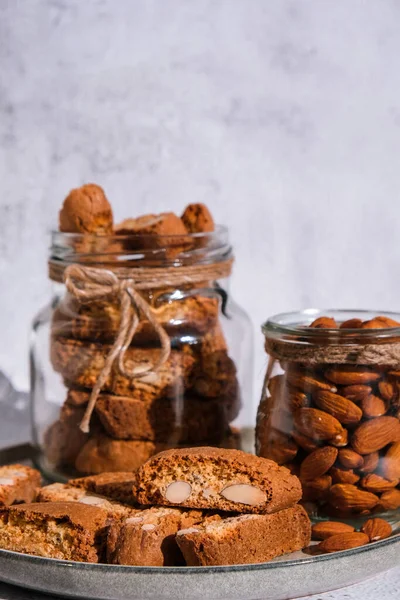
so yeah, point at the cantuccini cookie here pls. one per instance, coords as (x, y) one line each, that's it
(63, 492)
(101, 454)
(214, 372)
(211, 478)
(80, 364)
(116, 486)
(63, 530)
(198, 219)
(192, 315)
(148, 538)
(183, 419)
(86, 210)
(18, 484)
(63, 440)
(246, 538)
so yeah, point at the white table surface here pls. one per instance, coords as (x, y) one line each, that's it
(14, 429)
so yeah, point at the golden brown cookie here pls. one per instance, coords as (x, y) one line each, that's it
(80, 364)
(190, 316)
(102, 453)
(148, 538)
(246, 538)
(216, 479)
(63, 530)
(178, 420)
(63, 440)
(214, 372)
(117, 486)
(86, 210)
(18, 484)
(63, 492)
(198, 219)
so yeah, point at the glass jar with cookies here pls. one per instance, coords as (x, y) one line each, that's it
(330, 409)
(142, 347)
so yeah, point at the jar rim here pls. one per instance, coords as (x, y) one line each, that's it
(147, 250)
(292, 324)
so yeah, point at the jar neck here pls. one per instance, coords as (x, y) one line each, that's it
(148, 251)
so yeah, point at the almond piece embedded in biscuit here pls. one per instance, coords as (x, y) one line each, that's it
(243, 493)
(86, 210)
(178, 491)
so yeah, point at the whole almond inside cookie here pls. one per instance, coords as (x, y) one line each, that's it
(244, 494)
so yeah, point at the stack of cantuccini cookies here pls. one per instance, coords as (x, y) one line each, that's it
(189, 399)
(195, 507)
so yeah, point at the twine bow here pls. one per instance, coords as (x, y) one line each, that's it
(88, 284)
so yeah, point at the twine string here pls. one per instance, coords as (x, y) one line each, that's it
(88, 284)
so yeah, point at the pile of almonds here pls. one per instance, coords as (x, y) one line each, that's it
(337, 426)
(335, 536)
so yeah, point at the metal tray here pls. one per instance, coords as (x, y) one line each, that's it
(290, 576)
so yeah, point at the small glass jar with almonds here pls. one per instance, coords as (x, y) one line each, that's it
(330, 409)
(142, 347)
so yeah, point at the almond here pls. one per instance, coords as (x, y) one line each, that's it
(373, 406)
(279, 448)
(326, 529)
(356, 392)
(387, 390)
(341, 439)
(178, 491)
(371, 462)
(343, 475)
(338, 406)
(351, 324)
(318, 462)
(297, 399)
(377, 529)
(304, 442)
(316, 424)
(324, 323)
(351, 375)
(380, 323)
(350, 459)
(307, 383)
(343, 541)
(344, 496)
(390, 500)
(374, 435)
(390, 463)
(318, 488)
(377, 484)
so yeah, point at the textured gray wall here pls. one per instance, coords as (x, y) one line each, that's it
(283, 115)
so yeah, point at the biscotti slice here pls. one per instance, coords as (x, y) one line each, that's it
(80, 364)
(64, 530)
(148, 538)
(116, 486)
(18, 484)
(246, 539)
(86, 210)
(62, 492)
(101, 454)
(211, 478)
(63, 440)
(186, 418)
(192, 315)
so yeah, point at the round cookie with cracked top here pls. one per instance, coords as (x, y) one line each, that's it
(86, 210)
(216, 479)
(198, 219)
